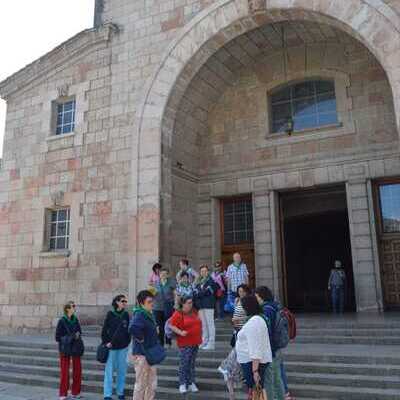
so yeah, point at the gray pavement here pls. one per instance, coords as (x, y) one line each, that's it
(9, 391)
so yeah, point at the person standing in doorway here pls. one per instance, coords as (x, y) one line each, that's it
(143, 329)
(204, 295)
(237, 274)
(186, 324)
(164, 303)
(69, 326)
(337, 286)
(116, 337)
(185, 267)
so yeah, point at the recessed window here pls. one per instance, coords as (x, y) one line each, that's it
(59, 222)
(65, 122)
(237, 221)
(306, 105)
(390, 207)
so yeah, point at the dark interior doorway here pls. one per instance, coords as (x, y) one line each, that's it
(315, 234)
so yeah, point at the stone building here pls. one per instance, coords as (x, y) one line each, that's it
(193, 128)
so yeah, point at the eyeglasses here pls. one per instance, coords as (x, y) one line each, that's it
(124, 301)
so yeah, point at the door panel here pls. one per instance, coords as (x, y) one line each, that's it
(391, 271)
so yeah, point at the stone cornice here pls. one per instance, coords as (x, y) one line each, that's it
(58, 56)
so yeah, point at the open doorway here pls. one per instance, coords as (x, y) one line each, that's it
(315, 232)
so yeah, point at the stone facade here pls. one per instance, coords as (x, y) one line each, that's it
(172, 114)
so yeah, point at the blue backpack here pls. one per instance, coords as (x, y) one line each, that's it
(280, 329)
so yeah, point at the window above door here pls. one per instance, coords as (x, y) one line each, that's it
(389, 198)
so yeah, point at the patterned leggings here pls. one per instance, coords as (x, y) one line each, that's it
(187, 360)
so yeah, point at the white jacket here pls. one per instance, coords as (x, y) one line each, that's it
(253, 342)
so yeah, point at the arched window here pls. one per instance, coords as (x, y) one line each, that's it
(305, 105)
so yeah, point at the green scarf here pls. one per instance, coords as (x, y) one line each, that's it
(119, 314)
(71, 320)
(237, 265)
(202, 280)
(148, 315)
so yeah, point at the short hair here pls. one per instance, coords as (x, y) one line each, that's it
(250, 305)
(143, 295)
(67, 306)
(183, 300)
(116, 299)
(156, 266)
(184, 261)
(265, 293)
(202, 266)
(245, 287)
(182, 274)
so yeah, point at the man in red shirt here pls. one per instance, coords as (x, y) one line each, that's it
(186, 323)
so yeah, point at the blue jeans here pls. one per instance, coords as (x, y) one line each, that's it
(116, 362)
(284, 378)
(248, 374)
(337, 293)
(220, 304)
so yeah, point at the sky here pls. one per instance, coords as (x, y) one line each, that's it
(29, 29)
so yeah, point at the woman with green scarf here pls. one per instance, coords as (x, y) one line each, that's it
(204, 295)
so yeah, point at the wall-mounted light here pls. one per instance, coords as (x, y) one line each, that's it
(289, 126)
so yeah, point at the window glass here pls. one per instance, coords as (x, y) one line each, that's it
(390, 207)
(238, 221)
(59, 229)
(65, 117)
(309, 104)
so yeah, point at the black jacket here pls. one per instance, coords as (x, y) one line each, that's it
(111, 323)
(204, 295)
(67, 327)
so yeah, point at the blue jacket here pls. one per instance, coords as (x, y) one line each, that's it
(144, 330)
(270, 308)
(204, 295)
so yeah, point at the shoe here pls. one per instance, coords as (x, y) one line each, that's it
(209, 347)
(107, 398)
(193, 388)
(183, 389)
(121, 397)
(77, 397)
(201, 347)
(224, 373)
(63, 398)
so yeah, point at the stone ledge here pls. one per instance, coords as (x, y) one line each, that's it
(52, 138)
(55, 254)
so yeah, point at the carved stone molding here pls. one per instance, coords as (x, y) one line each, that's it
(63, 91)
(57, 198)
(257, 6)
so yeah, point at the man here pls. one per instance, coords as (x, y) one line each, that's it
(185, 267)
(337, 285)
(237, 274)
(274, 385)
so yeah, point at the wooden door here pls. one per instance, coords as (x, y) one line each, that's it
(387, 208)
(237, 232)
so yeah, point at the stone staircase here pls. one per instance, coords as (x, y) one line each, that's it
(331, 359)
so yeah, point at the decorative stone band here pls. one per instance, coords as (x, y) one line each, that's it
(257, 6)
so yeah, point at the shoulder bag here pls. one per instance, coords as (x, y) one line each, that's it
(103, 351)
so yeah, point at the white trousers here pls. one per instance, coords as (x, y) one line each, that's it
(208, 326)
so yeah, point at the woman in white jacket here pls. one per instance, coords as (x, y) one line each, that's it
(252, 345)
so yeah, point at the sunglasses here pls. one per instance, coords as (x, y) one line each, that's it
(73, 305)
(123, 301)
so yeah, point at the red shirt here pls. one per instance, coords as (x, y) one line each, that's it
(190, 323)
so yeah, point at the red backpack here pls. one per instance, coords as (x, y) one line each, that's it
(291, 323)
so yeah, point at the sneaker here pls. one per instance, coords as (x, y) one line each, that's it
(121, 397)
(209, 347)
(183, 389)
(193, 388)
(76, 397)
(63, 397)
(201, 347)
(224, 372)
(107, 398)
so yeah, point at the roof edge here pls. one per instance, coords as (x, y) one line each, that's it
(58, 55)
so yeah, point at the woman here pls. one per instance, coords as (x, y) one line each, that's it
(143, 329)
(116, 337)
(230, 368)
(204, 294)
(186, 323)
(183, 288)
(164, 303)
(68, 325)
(253, 348)
(219, 278)
(155, 275)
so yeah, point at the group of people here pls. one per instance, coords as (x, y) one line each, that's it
(183, 308)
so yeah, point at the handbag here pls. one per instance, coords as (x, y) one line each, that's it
(103, 351)
(258, 393)
(154, 355)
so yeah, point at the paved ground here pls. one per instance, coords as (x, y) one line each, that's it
(10, 391)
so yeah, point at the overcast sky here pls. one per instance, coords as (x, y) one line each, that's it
(29, 29)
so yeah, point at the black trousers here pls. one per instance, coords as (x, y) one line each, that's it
(161, 318)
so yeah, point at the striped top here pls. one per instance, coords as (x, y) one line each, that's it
(239, 314)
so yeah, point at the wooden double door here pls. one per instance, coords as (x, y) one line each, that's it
(387, 208)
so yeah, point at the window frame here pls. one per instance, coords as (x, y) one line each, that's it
(54, 123)
(379, 184)
(48, 225)
(290, 84)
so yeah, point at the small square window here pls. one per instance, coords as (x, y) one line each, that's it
(65, 116)
(58, 229)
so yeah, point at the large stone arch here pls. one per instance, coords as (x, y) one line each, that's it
(373, 23)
